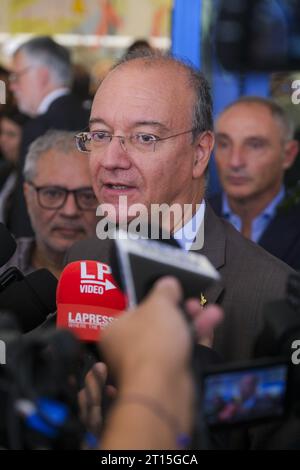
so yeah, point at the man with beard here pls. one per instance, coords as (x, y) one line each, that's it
(60, 202)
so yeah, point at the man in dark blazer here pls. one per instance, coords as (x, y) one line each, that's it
(41, 80)
(158, 161)
(149, 144)
(254, 147)
(281, 237)
(250, 277)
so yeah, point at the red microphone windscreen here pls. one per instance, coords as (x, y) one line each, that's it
(88, 299)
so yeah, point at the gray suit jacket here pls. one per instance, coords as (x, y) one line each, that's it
(250, 277)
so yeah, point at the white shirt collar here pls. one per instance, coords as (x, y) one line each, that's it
(186, 235)
(48, 99)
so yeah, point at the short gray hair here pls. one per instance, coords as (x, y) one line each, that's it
(61, 141)
(202, 117)
(42, 50)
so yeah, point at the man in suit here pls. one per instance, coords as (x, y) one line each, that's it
(150, 142)
(40, 80)
(254, 148)
(145, 147)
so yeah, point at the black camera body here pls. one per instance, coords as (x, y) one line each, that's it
(38, 391)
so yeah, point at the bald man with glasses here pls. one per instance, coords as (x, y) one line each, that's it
(149, 143)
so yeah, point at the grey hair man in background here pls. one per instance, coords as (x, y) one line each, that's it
(60, 201)
(254, 148)
(40, 80)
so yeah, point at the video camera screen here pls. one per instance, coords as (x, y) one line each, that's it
(245, 395)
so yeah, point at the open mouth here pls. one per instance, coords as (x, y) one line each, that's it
(117, 186)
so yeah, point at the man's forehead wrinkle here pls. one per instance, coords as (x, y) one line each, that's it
(141, 109)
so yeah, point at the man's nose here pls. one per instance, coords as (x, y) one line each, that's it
(236, 157)
(70, 208)
(116, 155)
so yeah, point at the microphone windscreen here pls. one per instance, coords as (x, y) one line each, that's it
(31, 299)
(88, 299)
(7, 243)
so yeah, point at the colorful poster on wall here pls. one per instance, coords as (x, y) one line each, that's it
(135, 18)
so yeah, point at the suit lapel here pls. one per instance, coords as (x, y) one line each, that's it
(214, 249)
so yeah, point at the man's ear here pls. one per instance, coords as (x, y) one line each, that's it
(44, 76)
(291, 150)
(203, 144)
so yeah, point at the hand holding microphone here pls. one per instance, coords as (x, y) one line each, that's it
(151, 364)
(156, 333)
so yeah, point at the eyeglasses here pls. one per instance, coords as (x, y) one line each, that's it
(141, 142)
(14, 76)
(54, 197)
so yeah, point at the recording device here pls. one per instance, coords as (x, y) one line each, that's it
(273, 379)
(246, 394)
(7, 243)
(259, 35)
(88, 299)
(31, 298)
(137, 264)
(38, 393)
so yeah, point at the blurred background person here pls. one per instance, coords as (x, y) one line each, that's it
(9, 97)
(81, 85)
(41, 81)
(255, 145)
(138, 45)
(60, 201)
(11, 128)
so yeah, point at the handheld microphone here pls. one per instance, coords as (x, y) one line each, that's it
(88, 299)
(31, 298)
(7, 243)
(139, 262)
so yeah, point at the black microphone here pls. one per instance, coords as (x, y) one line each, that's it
(8, 245)
(31, 298)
